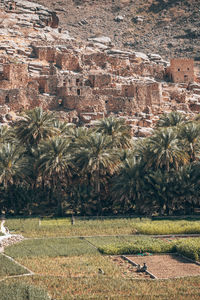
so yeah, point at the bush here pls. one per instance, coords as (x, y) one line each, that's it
(189, 248)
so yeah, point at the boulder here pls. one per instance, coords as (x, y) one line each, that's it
(101, 39)
(118, 18)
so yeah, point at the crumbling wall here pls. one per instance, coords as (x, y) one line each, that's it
(99, 80)
(14, 76)
(48, 84)
(45, 53)
(68, 61)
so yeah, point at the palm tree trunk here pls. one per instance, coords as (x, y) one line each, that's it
(98, 192)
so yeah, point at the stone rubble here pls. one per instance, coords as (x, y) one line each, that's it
(10, 240)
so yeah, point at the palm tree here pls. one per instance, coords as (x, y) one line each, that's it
(64, 128)
(173, 118)
(7, 134)
(161, 190)
(94, 157)
(143, 152)
(55, 166)
(127, 186)
(117, 129)
(14, 167)
(35, 126)
(166, 150)
(190, 134)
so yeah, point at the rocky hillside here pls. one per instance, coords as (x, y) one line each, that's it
(167, 27)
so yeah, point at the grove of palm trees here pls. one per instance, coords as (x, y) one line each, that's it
(52, 167)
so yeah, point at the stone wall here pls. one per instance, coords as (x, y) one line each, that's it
(181, 70)
(68, 61)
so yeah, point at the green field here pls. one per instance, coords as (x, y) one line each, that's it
(9, 268)
(102, 226)
(67, 267)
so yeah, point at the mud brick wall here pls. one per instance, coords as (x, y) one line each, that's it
(16, 75)
(100, 80)
(15, 98)
(128, 91)
(68, 61)
(181, 70)
(45, 53)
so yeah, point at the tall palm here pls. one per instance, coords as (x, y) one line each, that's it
(166, 150)
(117, 129)
(94, 156)
(127, 185)
(143, 152)
(35, 126)
(55, 166)
(13, 167)
(173, 118)
(190, 134)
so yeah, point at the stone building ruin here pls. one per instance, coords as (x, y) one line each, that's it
(181, 70)
(84, 81)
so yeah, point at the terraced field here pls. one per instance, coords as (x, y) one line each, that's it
(65, 261)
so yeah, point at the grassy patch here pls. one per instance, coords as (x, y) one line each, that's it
(168, 227)
(131, 245)
(86, 266)
(105, 286)
(9, 268)
(20, 291)
(189, 247)
(62, 227)
(51, 248)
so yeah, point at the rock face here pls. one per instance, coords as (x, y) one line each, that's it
(41, 65)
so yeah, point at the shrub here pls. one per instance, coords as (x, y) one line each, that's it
(189, 248)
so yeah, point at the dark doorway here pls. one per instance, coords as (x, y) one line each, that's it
(185, 78)
(7, 100)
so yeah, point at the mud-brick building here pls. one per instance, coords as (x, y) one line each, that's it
(181, 70)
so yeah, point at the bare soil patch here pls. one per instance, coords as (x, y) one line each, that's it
(127, 269)
(168, 266)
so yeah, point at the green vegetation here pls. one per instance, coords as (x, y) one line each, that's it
(51, 248)
(68, 268)
(100, 226)
(54, 168)
(9, 268)
(20, 291)
(111, 287)
(62, 227)
(189, 248)
(71, 267)
(168, 227)
(126, 245)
